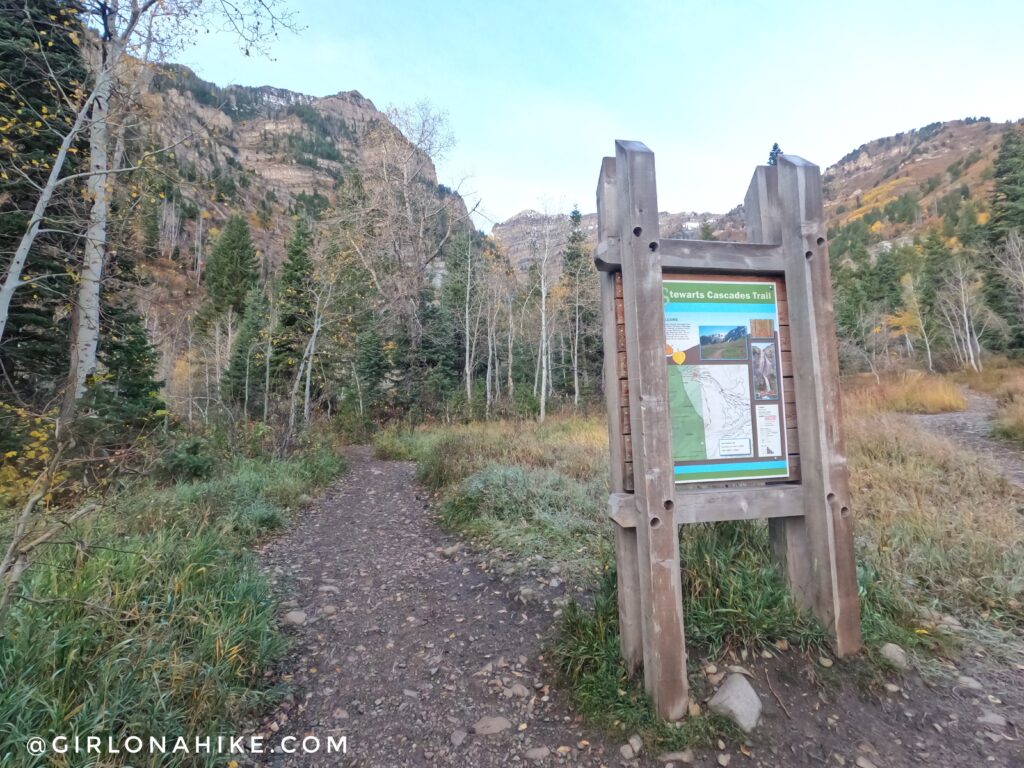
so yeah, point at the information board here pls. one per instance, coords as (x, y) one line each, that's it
(724, 380)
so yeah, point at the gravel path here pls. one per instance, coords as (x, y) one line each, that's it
(407, 645)
(972, 429)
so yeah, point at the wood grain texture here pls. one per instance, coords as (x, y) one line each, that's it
(827, 521)
(788, 537)
(710, 505)
(619, 446)
(664, 647)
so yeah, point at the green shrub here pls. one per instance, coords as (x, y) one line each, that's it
(188, 459)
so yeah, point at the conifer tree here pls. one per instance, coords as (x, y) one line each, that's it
(1008, 195)
(123, 398)
(773, 156)
(232, 269)
(295, 313)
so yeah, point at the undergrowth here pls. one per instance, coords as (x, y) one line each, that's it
(912, 392)
(151, 617)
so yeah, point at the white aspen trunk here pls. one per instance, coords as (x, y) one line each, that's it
(245, 400)
(359, 389)
(544, 356)
(13, 277)
(576, 350)
(317, 324)
(293, 399)
(510, 384)
(267, 351)
(199, 248)
(190, 374)
(468, 367)
(87, 310)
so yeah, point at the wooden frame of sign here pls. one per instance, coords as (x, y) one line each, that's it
(807, 503)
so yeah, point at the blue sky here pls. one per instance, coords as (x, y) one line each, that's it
(537, 92)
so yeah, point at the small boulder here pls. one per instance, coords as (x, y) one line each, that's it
(895, 656)
(970, 683)
(636, 743)
(537, 753)
(627, 752)
(993, 719)
(451, 551)
(488, 726)
(458, 736)
(738, 701)
(686, 757)
(295, 618)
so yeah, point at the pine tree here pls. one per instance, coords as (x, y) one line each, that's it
(773, 156)
(244, 381)
(123, 398)
(295, 312)
(1008, 195)
(581, 283)
(232, 269)
(34, 352)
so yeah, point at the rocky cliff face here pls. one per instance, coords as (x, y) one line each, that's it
(264, 151)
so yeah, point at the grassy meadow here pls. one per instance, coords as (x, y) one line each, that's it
(151, 617)
(937, 534)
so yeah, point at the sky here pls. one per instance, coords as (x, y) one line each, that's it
(536, 93)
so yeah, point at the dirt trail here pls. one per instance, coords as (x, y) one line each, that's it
(404, 641)
(972, 429)
(406, 645)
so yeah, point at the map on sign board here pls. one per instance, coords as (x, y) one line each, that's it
(724, 383)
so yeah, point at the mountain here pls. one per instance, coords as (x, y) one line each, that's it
(918, 168)
(266, 153)
(722, 337)
(903, 184)
(519, 236)
(264, 150)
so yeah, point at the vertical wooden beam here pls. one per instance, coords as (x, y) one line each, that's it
(626, 567)
(828, 525)
(664, 647)
(787, 535)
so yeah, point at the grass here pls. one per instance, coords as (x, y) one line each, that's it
(912, 392)
(937, 531)
(936, 526)
(586, 651)
(152, 618)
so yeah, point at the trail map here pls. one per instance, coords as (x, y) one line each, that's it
(724, 384)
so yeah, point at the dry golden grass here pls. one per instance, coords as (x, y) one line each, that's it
(912, 392)
(934, 521)
(574, 446)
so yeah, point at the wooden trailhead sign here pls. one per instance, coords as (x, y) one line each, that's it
(722, 383)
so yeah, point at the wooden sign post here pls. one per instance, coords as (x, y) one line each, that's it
(722, 382)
